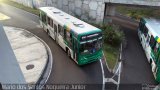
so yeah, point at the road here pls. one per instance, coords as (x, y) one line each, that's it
(64, 70)
(136, 70)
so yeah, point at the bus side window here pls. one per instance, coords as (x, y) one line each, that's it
(64, 33)
(145, 31)
(158, 54)
(51, 23)
(152, 42)
(55, 28)
(48, 21)
(68, 36)
(156, 47)
(43, 18)
(61, 30)
(141, 26)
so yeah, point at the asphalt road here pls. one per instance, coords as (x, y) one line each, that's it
(65, 71)
(136, 70)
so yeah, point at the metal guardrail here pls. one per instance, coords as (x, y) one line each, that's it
(10, 72)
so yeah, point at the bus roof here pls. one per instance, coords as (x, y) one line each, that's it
(154, 26)
(72, 23)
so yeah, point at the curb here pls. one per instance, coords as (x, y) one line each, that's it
(47, 70)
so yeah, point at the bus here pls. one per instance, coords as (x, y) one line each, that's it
(81, 41)
(149, 35)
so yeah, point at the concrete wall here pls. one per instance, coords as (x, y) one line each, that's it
(136, 2)
(88, 10)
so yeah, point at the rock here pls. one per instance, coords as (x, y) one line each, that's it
(84, 17)
(71, 7)
(59, 4)
(65, 9)
(92, 14)
(65, 2)
(85, 8)
(78, 11)
(93, 5)
(78, 3)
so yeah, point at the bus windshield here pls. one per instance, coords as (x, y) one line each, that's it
(91, 44)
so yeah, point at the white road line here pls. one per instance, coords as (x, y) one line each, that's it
(103, 86)
(4, 17)
(119, 76)
(111, 80)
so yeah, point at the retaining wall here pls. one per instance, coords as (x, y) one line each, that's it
(87, 10)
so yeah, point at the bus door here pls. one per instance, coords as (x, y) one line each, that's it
(157, 70)
(75, 50)
(56, 32)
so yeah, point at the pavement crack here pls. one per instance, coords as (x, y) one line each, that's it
(25, 45)
(36, 59)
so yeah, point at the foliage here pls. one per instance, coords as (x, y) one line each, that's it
(138, 12)
(20, 6)
(112, 39)
(111, 54)
(111, 34)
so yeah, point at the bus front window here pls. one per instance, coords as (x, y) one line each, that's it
(90, 46)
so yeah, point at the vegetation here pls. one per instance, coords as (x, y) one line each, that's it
(112, 40)
(138, 12)
(20, 6)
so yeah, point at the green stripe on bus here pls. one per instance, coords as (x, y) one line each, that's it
(157, 39)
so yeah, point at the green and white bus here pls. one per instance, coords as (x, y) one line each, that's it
(149, 34)
(81, 41)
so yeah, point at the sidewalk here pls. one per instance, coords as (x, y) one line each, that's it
(30, 52)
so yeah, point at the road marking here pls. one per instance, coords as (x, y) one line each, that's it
(4, 17)
(103, 86)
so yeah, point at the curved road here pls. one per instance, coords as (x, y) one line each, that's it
(136, 71)
(64, 70)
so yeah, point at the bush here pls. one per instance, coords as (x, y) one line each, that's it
(111, 33)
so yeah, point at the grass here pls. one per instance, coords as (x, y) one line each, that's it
(138, 12)
(111, 54)
(20, 6)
